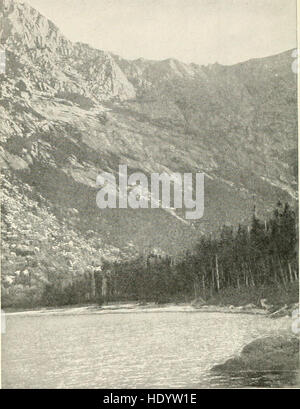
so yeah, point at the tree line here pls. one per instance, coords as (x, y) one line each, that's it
(264, 253)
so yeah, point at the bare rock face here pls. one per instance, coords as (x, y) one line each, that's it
(24, 29)
(69, 111)
(52, 62)
(103, 76)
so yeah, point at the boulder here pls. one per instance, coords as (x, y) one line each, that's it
(24, 251)
(273, 353)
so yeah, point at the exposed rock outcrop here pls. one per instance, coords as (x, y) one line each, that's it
(69, 111)
(273, 353)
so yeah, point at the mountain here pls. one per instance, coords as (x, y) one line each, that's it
(69, 112)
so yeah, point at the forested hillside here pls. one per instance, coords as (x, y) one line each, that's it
(241, 259)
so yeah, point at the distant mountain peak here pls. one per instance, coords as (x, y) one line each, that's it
(60, 64)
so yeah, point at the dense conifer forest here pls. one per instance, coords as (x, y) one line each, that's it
(241, 259)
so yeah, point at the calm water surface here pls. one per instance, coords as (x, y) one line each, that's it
(133, 350)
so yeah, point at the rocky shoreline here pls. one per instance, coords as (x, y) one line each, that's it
(271, 354)
(268, 354)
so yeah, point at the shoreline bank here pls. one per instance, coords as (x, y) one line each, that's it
(265, 355)
(136, 308)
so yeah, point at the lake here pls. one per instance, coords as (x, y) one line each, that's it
(131, 350)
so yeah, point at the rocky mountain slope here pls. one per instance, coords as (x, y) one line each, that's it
(69, 111)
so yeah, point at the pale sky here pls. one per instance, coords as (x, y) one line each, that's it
(199, 31)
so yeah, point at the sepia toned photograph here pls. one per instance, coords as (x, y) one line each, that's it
(149, 197)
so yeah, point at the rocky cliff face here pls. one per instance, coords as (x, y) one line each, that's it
(53, 64)
(69, 111)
